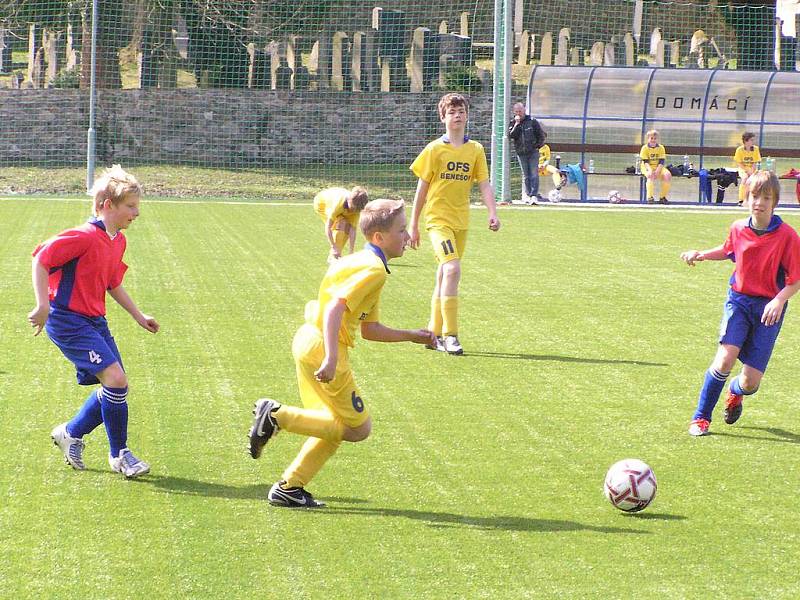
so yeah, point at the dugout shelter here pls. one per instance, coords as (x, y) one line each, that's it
(601, 114)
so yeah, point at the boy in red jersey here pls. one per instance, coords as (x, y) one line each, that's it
(766, 253)
(71, 274)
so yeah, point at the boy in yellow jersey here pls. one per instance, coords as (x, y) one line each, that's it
(559, 179)
(654, 157)
(447, 168)
(746, 157)
(333, 408)
(339, 209)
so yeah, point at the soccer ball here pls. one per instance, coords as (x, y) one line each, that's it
(554, 196)
(630, 485)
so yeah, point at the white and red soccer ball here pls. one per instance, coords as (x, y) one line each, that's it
(630, 485)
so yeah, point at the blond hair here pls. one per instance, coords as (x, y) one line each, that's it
(114, 184)
(764, 184)
(357, 199)
(651, 132)
(449, 100)
(379, 215)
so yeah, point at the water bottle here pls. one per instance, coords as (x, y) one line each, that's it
(558, 161)
(591, 166)
(770, 164)
(685, 163)
(637, 163)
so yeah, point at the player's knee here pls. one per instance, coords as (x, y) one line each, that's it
(113, 377)
(452, 269)
(667, 176)
(360, 433)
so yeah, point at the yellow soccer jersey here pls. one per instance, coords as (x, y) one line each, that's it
(653, 156)
(747, 157)
(357, 278)
(330, 203)
(450, 172)
(544, 155)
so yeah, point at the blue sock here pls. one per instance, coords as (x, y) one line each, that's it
(87, 418)
(737, 388)
(709, 393)
(115, 416)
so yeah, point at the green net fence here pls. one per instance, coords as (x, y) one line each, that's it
(274, 98)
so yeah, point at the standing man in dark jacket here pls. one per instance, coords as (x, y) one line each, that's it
(528, 137)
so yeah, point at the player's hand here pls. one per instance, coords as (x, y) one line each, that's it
(413, 238)
(37, 318)
(149, 323)
(692, 256)
(772, 311)
(326, 370)
(494, 223)
(422, 336)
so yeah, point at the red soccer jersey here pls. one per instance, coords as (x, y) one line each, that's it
(764, 263)
(83, 263)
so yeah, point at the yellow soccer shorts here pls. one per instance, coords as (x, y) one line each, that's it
(448, 244)
(340, 395)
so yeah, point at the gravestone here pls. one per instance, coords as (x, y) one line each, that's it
(72, 51)
(340, 61)
(675, 53)
(443, 27)
(524, 45)
(576, 56)
(609, 57)
(5, 52)
(546, 51)
(597, 54)
(458, 47)
(258, 73)
(630, 54)
(562, 54)
(148, 66)
(425, 52)
(464, 24)
(301, 78)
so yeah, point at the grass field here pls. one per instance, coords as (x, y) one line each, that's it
(586, 340)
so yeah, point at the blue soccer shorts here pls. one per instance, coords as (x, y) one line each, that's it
(85, 341)
(741, 326)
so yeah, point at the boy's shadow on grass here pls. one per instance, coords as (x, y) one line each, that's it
(500, 523)
(568, 359)
(776, 434)
(193, 487)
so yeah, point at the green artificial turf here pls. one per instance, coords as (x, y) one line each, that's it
(586, 341)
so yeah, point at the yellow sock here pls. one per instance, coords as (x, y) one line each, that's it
(340, 239)
(435, 324)
(742, 192)
(665, 185)
(313, 423)
(311, 458)
(449, 315)
(649, 185)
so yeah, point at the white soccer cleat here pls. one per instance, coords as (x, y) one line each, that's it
(71, 447)
(438, 345)
(452, 345)
(127, 464)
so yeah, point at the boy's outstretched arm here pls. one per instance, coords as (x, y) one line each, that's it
(692, 256)
(331, 323)
(125, 301)
(774, 308)
(487, 195)
(420, 197)
(352, 234)
(378, 332)
(329, 233)
(38, 316)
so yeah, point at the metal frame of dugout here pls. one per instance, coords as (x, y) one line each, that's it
(605, 111)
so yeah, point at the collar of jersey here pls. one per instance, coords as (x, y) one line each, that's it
(446, 139)
(379, 253)
(100, 225)
(774, 223)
